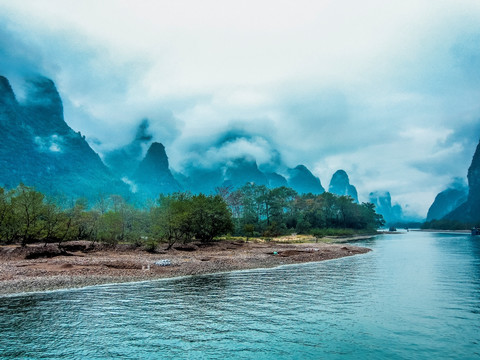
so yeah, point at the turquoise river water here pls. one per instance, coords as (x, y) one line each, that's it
(415, 296)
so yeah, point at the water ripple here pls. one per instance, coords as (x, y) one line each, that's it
(415, 296)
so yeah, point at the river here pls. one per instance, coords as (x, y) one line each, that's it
(415, 296)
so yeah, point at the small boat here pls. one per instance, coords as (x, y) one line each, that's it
(475, 231)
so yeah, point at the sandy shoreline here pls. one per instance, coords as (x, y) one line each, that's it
(80, 268)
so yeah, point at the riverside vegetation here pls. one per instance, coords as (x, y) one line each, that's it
(28, 216)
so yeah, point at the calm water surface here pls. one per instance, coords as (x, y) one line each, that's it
(415, 296)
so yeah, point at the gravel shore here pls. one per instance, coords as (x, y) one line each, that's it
(39, 268)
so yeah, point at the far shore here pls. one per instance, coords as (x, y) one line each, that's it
(39, 268)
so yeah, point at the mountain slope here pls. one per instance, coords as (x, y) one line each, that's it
(153, 175)
(39, 149)
(447, 201)
(469, 211)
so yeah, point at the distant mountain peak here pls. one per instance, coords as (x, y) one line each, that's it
(383, 205)
(303, 181)
(340, 185)
(157, 156)
(153, 175)
(243, 170)
(124, 161)
(43, 107)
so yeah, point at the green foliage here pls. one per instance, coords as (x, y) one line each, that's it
(182, 217)
(319, 233)
(171, 219)
(210, 217)
(280, 211)
(26, 216)
(445, 224)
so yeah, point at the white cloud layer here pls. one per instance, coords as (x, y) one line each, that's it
(388, 91)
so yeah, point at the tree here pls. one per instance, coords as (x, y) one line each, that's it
(55, 221)
(9, 224)
(120, 223)
(210, 217)
(28, 207)
(171, 220)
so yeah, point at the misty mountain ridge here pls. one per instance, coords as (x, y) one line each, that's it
(125, 160)
(58, 161)
(39, 149)
(469, 211)
(448, 200)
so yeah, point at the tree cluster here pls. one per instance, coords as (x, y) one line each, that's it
(28, 216)
(181, 217)
(258, 210)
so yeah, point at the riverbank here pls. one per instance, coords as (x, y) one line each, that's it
(39, 268)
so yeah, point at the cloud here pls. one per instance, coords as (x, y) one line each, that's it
(51, 143)
(387, 91)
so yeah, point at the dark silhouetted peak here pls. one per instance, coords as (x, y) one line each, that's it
(383, 205)
(303, 181)
(153, 176)
(242, 171)
(43, 106)
(447, 201)
(474, 177)
(340, 185)
(156, 157)
(275, 180)
(469, 211)
(7, 97)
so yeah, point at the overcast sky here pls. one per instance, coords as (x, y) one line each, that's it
(389, 91)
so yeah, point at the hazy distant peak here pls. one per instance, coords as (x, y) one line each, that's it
(302, 168)
(340, 185)
(383, 205)
(303, 181)
(243, 170)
